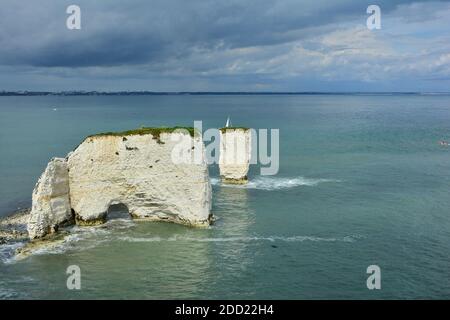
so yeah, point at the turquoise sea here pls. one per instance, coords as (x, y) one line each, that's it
(362, 181)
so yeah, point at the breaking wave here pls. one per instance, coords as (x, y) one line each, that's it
(7, 251)
(77, 239)
(275, 183)
(90, 237)
(242, 239)
(85, 238)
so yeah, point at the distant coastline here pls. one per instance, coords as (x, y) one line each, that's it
(199, 93)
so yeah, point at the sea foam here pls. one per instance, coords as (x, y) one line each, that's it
(275, 183)
(351, 238)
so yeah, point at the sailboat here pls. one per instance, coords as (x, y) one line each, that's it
(228, 124)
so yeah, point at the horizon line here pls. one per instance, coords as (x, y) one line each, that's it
(144, 92)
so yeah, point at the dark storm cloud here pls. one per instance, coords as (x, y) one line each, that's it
(136, 32)
(234, 45)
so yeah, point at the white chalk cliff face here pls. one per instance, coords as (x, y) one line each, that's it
(51, 203)
(135, 170)
(235, 153)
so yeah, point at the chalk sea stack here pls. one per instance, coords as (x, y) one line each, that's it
(235, 154)
(132, 168)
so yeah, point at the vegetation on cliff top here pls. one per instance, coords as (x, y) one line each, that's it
(233, 128)
(155, 132)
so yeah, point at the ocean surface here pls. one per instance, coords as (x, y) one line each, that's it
(362, 181)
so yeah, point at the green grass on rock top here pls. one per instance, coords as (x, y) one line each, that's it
(233, 128)
(155, 132)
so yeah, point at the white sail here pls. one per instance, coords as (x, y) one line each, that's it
(228, 123)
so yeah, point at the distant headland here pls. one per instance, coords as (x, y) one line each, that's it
(161, 93)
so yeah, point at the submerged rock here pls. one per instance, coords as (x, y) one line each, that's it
(49, 242)
(14, 226)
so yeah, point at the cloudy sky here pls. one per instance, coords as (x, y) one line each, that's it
(228, 45)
